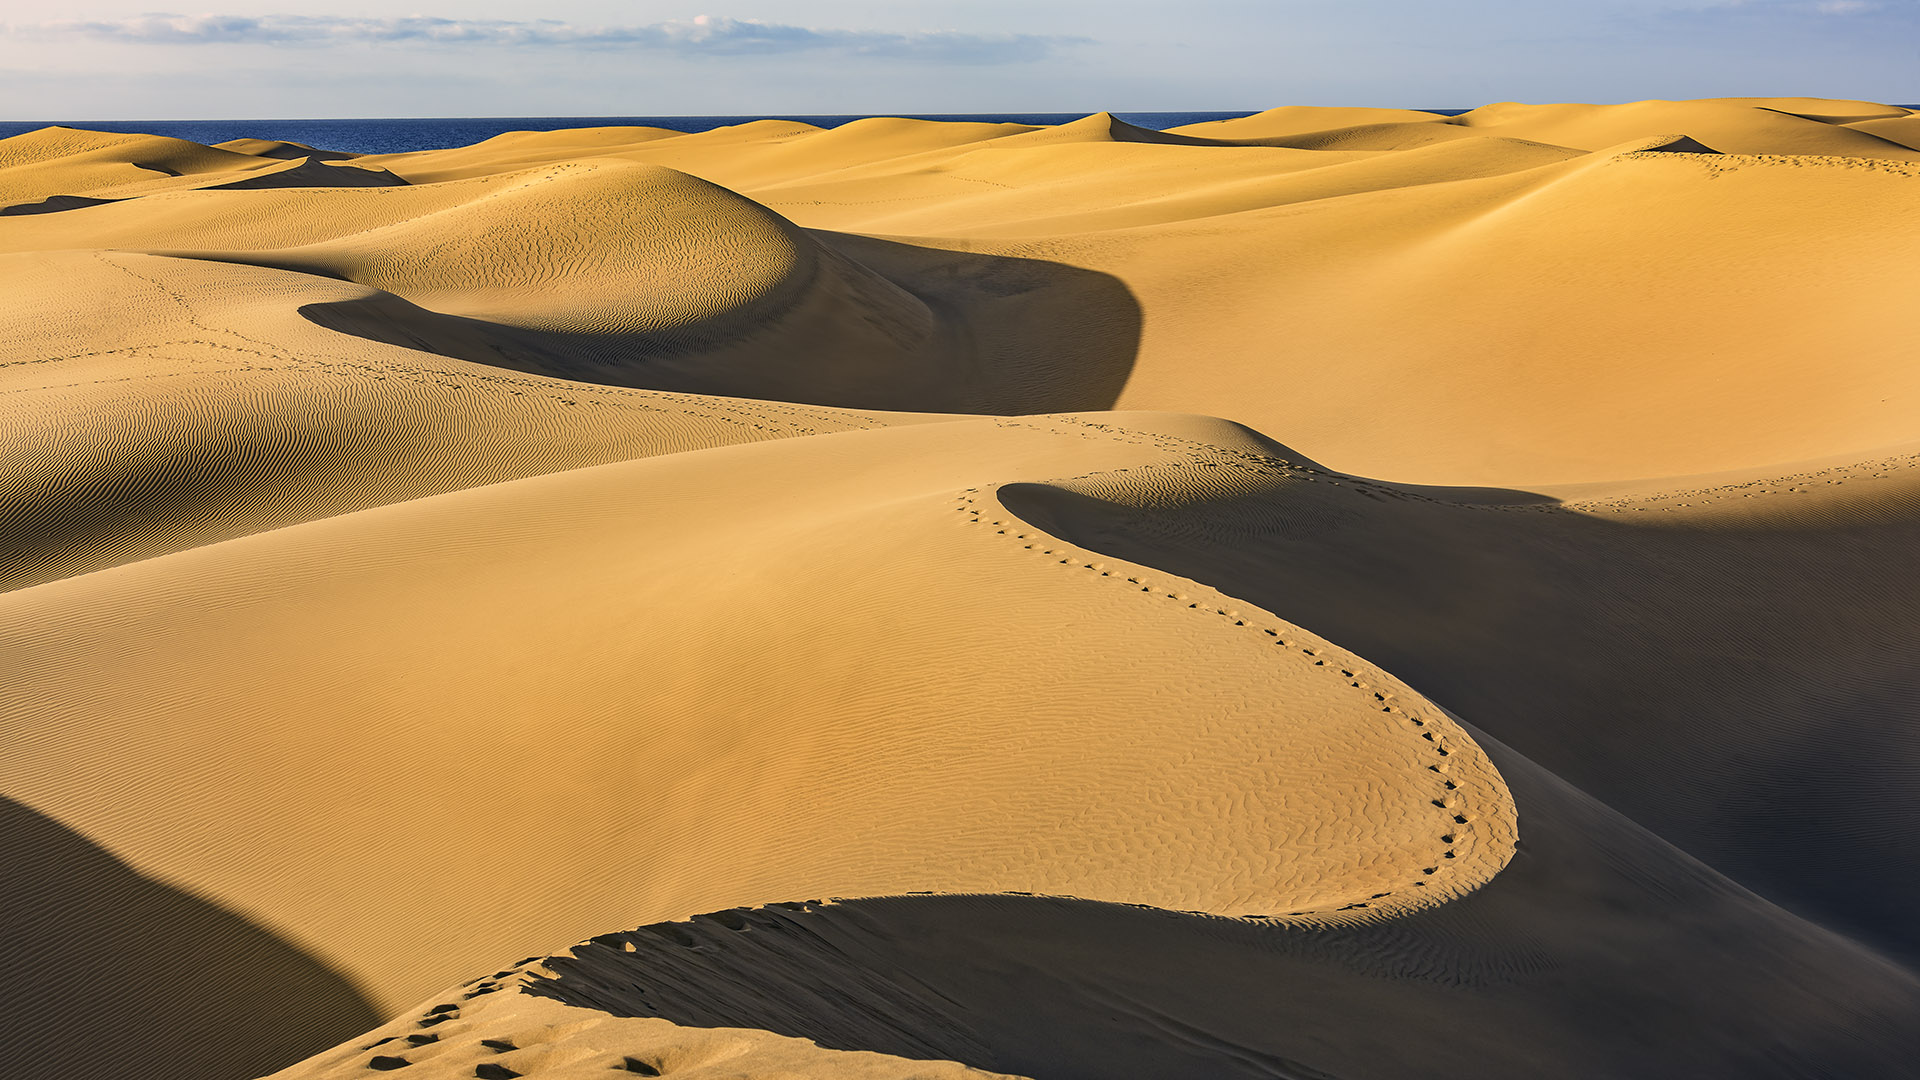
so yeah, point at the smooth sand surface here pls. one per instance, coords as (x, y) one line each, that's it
(1339, 593)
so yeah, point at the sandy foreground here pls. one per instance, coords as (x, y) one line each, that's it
(1343, 593)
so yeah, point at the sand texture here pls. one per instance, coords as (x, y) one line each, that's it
(1342, 593)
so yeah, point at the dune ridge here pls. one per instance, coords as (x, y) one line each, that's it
(1338, 593)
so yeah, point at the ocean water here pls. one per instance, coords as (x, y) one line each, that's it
(393, 136)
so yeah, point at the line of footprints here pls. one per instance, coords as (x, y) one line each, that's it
(399, 1045)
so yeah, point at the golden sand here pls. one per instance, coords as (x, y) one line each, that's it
(876, 539)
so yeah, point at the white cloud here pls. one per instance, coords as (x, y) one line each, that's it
(1843, 7)
(704, 34)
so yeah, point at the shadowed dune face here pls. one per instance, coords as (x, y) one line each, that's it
(778, 647)
(1735, 126)
(162, 404)
(1749, 125)
(940, 331)
(1304, 120)
(636, 275)
(311, 172)
(58, 163)
(1099, 128)
(44, 162)
(1727, 666)
(120, 973)
(52, 204)
(285, 151)
(1595, 925)
(488, 1028)
(1481, 304)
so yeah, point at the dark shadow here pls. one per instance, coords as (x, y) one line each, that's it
(308, 174)
(1745, 685)
(112, 974)
(312, 173)
(1600, 951)
(281, 149)
(972, 333)
(53, 204)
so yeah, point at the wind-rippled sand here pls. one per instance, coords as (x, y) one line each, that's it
(1340, 593)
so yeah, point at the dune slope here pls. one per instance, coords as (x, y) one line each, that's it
(1530, 298)
(1594, 918)
(879, 556)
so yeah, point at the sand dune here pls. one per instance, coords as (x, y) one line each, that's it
(190, 402)
(492, 1027)
(280, 148)
(309, 172)
(58, 160)
(877, 539)
(1753, 126)
(1904, 129)
(1718, 335)
(1304, 120)
(1593, 919)
(1737, 125)
(935, 571)
(1670, 311)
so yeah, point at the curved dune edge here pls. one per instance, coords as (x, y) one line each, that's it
(1747, 125)
(1273, 782)
(521, 254)
(234, 413)
(489, 1027)
(1478, 820)
(57, 169)
(1054, 987)
(1576, 628)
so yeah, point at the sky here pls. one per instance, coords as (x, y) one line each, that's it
(127, 59)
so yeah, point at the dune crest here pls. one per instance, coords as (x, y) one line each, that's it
(964, 808)
(1303, 120)
(280, 148)
(1099, 128)
(312, 172)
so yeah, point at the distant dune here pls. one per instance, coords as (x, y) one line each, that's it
(1346, 593)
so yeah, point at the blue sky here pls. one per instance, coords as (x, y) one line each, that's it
(122, 59)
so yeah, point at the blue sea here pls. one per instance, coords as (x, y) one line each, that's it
(374, 136)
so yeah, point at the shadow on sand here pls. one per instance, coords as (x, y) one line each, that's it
(1742, 685)
(113, 974)
(956, 332)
